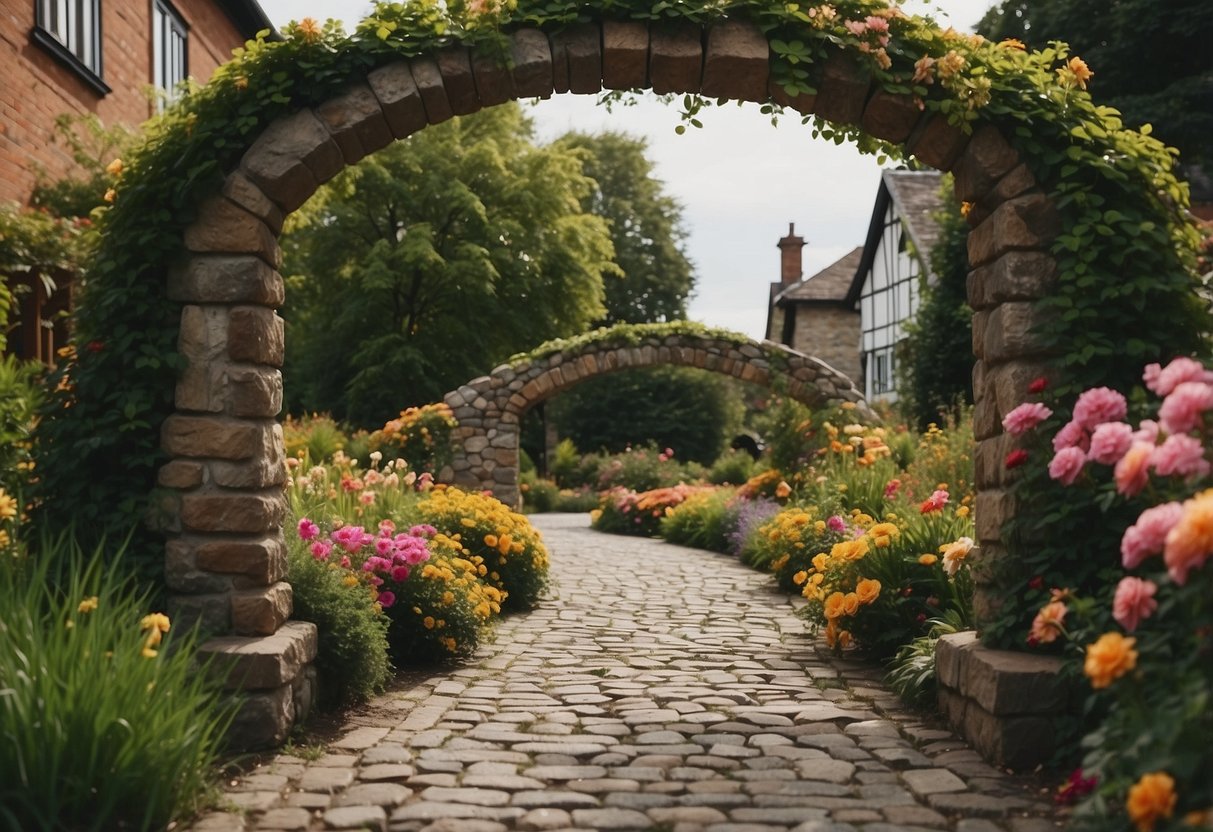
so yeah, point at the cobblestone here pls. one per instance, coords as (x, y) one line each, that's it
(657, 687)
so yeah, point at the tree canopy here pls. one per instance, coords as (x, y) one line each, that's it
(1151, 58)
(436, 258)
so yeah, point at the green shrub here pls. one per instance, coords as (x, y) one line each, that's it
(318, 436)
(733, 467)
(103, 726)
(911, 673)
(702, 520)
(421, 436)
(538, 495)
(353, 657)
(644, 469)
(577, 502)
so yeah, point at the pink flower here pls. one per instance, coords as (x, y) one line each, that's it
(1134, 602)
(935, 502)
(891, 488)
(387, 598)
(856, 27)
(1073, 435)
(386, 527)
(307, 529)
(345, 561)
(1148, 535)
(1181, 410)
(1147, 431)
(384, 545)
(321, 549)
(424, 530)
(836, 524)
(1164, 380)
(1025, 417)
(1099, 405)
(400, 574)
(1180, 456)
(1109, 442)
(876, 24)
(1067, 464)
(1132, 471)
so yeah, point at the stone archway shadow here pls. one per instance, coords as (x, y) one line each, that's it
(226, 555)
(490, 408)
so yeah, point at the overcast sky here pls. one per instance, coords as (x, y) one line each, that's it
(740, 180)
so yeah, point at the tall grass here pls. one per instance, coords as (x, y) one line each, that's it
(100, 728)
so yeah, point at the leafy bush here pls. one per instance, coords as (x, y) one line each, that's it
(353, 657)
(511, 548)
(570, 468)
(642, 469)
(639, 514)
(733, 467)
(319, 437)
(19, 394)
(911, 673)
(105, 725)
(420, 435)
(538, 495)
(943, 459)
(577, 501)
(703, 520)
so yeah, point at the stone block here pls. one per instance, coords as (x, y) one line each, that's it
(222, 227)
(255, 392)
(494, 85)
(250, 513)
(736, 62)
(210, 279)
(355, 120)
(1015, 330)
(259, 558)
(1007, 683)
(1028, 222)
(181, 572)
(211, 613)
(304, 690)
(675, 57)
(181, 474)
(1016, 182)
(263, 720)
(260, 612)
(241, 190)
(1010, 381)
(989, 456)
(456, 67)
(531, 64)
(260, 472)
(433, 92)
(1019, 743)
(208, 436)
(842, 92)
(890, 116)
(986, 159)
(260, 662)
(399, 97)
(952, 654)
(256, 335)
(577, 58)
(937, 143)
(1015, 276)
(994, 507)
(291, 158)
(625, 54)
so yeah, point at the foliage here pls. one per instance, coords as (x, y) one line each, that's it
(104, 726)
(511, 549)
(625, 511)
(340, 490)
(1147, 56)
(656, 277)
(703, 520)
(316, 436)
(93, 148)
(634, 335)
(787, 427)
(352, 658)
(936, 357)
(695, 412)
(420, 435)
(540, 495)
(642, 469)
(572, 469)
(854, 467)
(434, 259)
(911, 673)
(19, 395)
(733, 467)
(943, 459)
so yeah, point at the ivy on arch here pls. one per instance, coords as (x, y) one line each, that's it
(1125, 254)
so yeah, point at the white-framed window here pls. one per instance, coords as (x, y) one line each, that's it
(71, 30)
(170, 42)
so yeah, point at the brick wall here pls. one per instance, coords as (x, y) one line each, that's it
(37, 87)
(831, 334)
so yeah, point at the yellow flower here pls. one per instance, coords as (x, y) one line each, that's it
(448, 598)
(8, 506)
(927, 559)
(157, 622)
(800, 577)
(110, 195)
(950, 64)
(1013, 43)
(88, 604)
(1151, 799)
(844, 639)
(833, 606)
(821, 561)
(148, 653)
(114, 168)
(1110, 657)
(850, 603)
(428, 622)
(783, 489)
(867, 590)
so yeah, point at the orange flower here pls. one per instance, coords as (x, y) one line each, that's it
(923, 70)
(309, 29)
(1013, 43)
(833, 606)
(1151, 799)
(867, 590)
(844, 639)
(850, 603)
(1081, 72)
(928, 559)
(950, 64)
(1190, 541)
(1047, 625)
(1110, 657)
(783, 489)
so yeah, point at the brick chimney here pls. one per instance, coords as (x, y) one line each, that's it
(790, 247)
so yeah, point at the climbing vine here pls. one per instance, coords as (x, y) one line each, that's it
(1126, 243)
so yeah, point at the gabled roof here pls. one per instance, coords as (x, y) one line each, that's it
(249, 18)
(915, 195)
(828, 285)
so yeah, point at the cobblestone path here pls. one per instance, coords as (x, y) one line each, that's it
(659, 688)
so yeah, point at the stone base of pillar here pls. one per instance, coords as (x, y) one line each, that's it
(273, 678)
(1006, 704)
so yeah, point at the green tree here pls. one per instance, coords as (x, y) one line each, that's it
(695, 412)
(1150, 58)
(646, 228)
(438, 257)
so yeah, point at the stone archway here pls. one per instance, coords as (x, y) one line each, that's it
(226, 552)
(490, 408)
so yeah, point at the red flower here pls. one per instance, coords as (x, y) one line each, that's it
(1037, 582)
(1016, 458)
(1038, 385)
(922, 616)
(95, 346)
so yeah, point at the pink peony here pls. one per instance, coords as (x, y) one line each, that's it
(400, 574)
(1134, 602)
(384, 545)
(1109, 442)
(321, 549)
(307, 529)
(1148, 535)
(1099, 405)
(1164, 380)
(1180, 456)
(1147, 431)
(1067, 464)
(1132, 471)
(836, 524)
(387, 598)
(1073, 435)
(1181, 410)
(1025, 417)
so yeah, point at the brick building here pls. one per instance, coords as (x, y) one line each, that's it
(102, 57)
